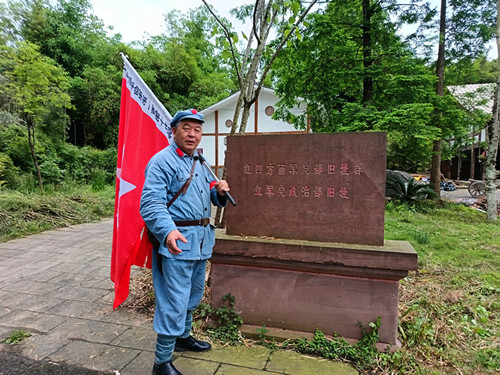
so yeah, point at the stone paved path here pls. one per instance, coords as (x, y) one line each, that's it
(55, 285)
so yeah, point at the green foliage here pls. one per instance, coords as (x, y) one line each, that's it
(64, 30)
(14, 143)
(361, 354)
(37, 89)
(51, 173)
(408, 191)
(210, 89)
(185, 67)
(330, 69)
(17, 336)
(471, 25)
(488, 358)
(326, 69)
(182, 68)
(262, 333)
(97, 93)
(228, 320)
(31, 211)
(58, 162)
(469, 71)
(449, 308)
(8, 171)
(98, 179)
(83, 162)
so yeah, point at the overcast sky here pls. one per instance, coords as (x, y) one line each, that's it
(134, 19)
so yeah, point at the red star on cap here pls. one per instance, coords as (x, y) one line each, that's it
(194, 111)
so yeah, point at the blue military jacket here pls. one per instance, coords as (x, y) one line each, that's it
(166, 173)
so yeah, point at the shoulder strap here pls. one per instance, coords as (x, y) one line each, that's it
(151, 236)
(184, 187)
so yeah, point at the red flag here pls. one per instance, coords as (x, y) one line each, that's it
(144, 130)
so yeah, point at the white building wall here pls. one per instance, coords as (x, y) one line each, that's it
(215, 129)
(207, 145)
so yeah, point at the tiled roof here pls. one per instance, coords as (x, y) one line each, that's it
(478, 96)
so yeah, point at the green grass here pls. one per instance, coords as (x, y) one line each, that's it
(33, 212)
(17, 336)
(449, 308)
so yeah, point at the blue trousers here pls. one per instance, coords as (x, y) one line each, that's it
(178, 291)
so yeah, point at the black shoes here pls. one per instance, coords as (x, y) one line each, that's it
(181, 345)
(191, 344)
(165, 369)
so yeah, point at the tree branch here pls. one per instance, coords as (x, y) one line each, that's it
(280, 46)
(228, 37)
(254, 28)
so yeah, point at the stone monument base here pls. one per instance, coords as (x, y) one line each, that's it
(296, 285)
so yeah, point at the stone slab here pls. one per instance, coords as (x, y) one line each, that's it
(390, 261)
(321, 187)
(196, 367)
(31, 286)
(305, 301)
(78, 293)
(252, 357)
(32, 321)
(42, 346)
(141, 338)
(292, 363)
(79, 309)
(113, 358)
(140, 365)
(238, 370)
(91, 355)
(90, 330)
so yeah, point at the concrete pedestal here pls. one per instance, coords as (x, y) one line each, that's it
(301, 285)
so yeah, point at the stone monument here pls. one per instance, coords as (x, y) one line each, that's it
(304, 248)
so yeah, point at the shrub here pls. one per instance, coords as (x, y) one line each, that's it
(408, 191)
(51, 172)
(8, 171)
(98, 177)
(83, 162)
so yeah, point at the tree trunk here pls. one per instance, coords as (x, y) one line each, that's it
(459, 167)
(472, 168)
(492, 147)
(436, 165)
(244, 118)
(31, 141)
(264, 17)
(367, 54)
(436, 149)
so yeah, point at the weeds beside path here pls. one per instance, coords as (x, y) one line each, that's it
(449, 309)
(22, 214)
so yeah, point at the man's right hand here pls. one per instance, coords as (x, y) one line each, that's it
(172, 242)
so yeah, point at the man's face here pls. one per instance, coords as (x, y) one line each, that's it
(187, 135)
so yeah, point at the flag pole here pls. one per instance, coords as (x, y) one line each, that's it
(204, 162)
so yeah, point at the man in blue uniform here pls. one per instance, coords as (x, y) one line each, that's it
(175, 205)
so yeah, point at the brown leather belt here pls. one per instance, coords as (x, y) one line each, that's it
(188, 223)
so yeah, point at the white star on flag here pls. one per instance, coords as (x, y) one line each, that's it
(125, 186)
